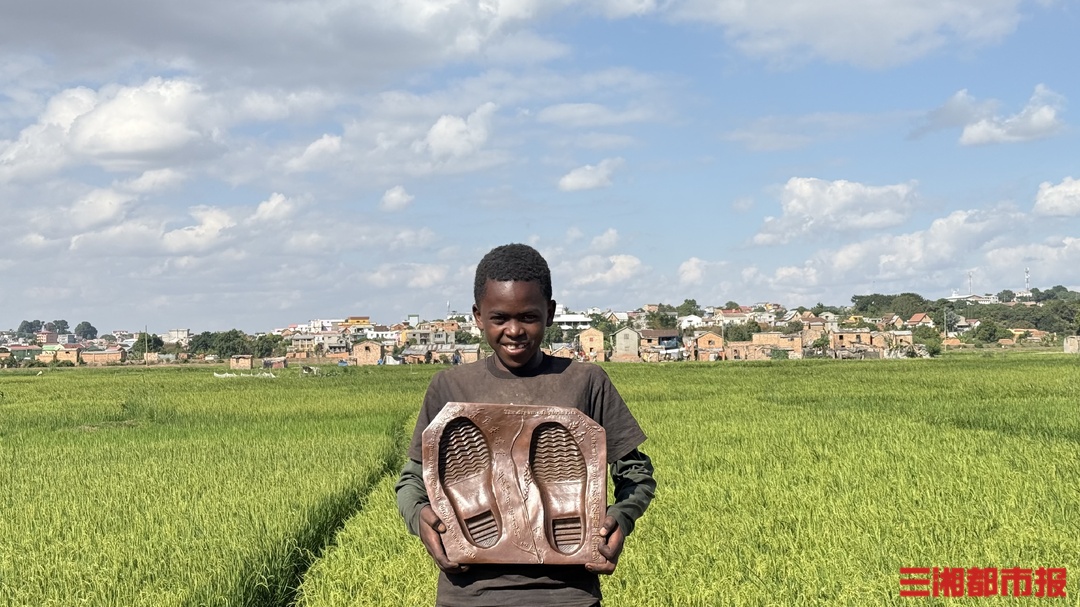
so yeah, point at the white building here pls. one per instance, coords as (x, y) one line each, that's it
(691, 320)
(569, 322)
(177, 336)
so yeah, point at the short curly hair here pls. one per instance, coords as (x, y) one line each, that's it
(512, 262)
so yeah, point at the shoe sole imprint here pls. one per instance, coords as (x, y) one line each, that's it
(559, 470)
(466, 474)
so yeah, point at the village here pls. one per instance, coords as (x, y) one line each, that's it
(652, 333)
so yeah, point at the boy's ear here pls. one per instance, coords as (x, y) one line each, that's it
(476, 314)
(550, 312)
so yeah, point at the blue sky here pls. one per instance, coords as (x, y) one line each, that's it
(250, 165)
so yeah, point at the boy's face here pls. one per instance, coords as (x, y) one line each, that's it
(513, 315)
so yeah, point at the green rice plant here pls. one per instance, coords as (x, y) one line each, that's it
(780, 483)
(807, 483)
(173, 487)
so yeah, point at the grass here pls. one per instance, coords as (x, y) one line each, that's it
(127, 487)
(780, 483)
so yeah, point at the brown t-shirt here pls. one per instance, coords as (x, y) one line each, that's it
(556, 382)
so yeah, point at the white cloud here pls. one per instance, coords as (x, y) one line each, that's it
(589, 115)
(131, 122)
(317, 154)
(275, 208)
(454, 136)
(605, 241)
(937, 254)
(608, 271)
(773, 133)
(524, 47)
(275, 104)
(698, 272)
(871, 34)
(617, 9)
(102, 206)
(982, 125)
(134, 237)
(590, 176)
(960, 110)
(692, 271)
(208, 233)
(457, 128)
(320, 42)
(42, 147)
(117, 127)
(814, 207)
(1057, 259)
(35, 241)
(395, 199)
(1061, 200)
(597, 141)
(98, 207)
(151, 181)
(1038, 120)
(412, 275)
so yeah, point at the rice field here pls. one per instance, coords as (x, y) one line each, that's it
(783, 483)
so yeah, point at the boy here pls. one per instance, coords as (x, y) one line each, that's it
(513, 306)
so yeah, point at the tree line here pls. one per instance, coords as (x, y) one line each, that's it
(222, 344)
(27, 328)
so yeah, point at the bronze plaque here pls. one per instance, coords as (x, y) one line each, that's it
(519, 484)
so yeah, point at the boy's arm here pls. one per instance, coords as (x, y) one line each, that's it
(420, 519)
(634, 489)
(411, 494)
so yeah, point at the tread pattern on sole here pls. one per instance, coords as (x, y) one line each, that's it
(463, 455)
(557, 465)
(462, 452)
(484, 529)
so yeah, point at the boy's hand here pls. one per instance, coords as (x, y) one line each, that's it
(431, 530)
(610, 549)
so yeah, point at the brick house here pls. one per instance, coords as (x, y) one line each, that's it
(774, 340)
(69, 353)
(659, 338)
(441, 326)
(848, 338)
(98, 358)
(747, 350)
(470, 353)
(708, 346)
(592, 344)
(561, 350)
(890, 340)
(368, 352)
(920, 320)
(1072, 344)
(242, 362)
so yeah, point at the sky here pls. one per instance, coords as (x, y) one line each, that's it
(213, 165)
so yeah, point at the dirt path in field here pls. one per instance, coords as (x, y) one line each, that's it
(281, 588)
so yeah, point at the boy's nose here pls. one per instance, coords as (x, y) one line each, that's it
(514, 328)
